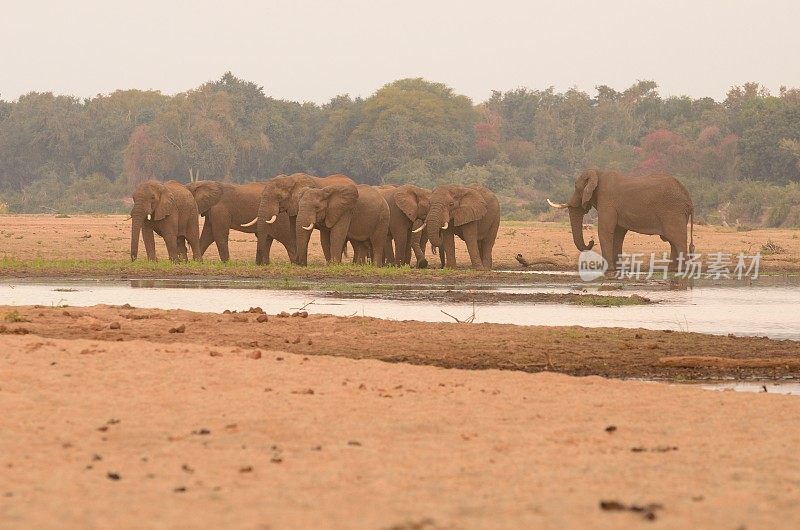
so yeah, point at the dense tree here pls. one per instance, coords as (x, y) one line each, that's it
(523, 143)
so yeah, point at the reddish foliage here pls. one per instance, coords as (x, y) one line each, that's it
(487, 141)
(710, 155)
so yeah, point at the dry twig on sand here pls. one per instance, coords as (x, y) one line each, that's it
(469, 320)
(525, 263)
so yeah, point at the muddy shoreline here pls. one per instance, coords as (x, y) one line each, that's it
(484, 297)
(573, 350)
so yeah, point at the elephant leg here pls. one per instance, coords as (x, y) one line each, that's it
(325, 242)
(206, 236)
(678, 246)
(149, 241)
(171, 240)
(379, 243)
(619, 238)
(193, 238)
(338, 238)
(469, 233)
(418, 242)
(388, 252)
(402, 244)
(673, 257)
(448, 250)
(407, 251)
(360, 252)
(183, 252)
(266, 251)
(221, 234)
(606, 225)
(302, 246)
(487, 244)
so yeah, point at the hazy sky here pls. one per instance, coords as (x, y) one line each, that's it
(314, 50)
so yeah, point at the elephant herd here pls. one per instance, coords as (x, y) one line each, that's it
(382, 223)
(385, 223)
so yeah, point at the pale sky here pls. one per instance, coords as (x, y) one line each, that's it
(314, 50)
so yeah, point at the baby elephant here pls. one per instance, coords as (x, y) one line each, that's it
(169, 210)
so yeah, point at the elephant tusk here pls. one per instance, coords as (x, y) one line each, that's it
(418, 230)
(272, 219)
(309, 227)
(445, 225)
(251, 223)
(556, 205)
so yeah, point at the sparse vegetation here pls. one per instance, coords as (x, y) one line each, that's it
(14, 317)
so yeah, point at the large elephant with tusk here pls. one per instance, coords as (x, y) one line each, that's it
(282, 195)
(169, 210)
(469, 212)
(226, 206)
(408, 208)
(350, 213)
(654, 205)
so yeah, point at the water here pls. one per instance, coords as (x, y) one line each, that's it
(762, 310)
(787, 388)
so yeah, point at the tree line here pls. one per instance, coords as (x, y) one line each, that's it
(739, 157)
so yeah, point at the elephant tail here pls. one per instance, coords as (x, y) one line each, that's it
(691, 232)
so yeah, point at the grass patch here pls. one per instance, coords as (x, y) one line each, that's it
(608, 300)
(13, 317)
(285, 275)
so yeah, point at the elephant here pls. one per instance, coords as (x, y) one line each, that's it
(226, 206)
(349, 212)
(169, 209)
(282, 194)
(408, 207)
(469, 212)
(653, 205)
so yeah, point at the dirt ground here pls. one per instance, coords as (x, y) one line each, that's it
(573, 350)
(119, 417)
(178, 431)
(549, 244)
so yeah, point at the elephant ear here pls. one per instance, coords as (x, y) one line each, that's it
(407, 201)
(341, 200)
(206, 193)
(588, 190)
(470, 206)
(165, 204)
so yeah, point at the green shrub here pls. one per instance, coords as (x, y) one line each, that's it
(91, 194)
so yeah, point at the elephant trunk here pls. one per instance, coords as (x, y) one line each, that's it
(137, 218)
(303, 237)
(267, 211)
(306, 217)
(433, 224)
(261, 235)
(576, 221)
